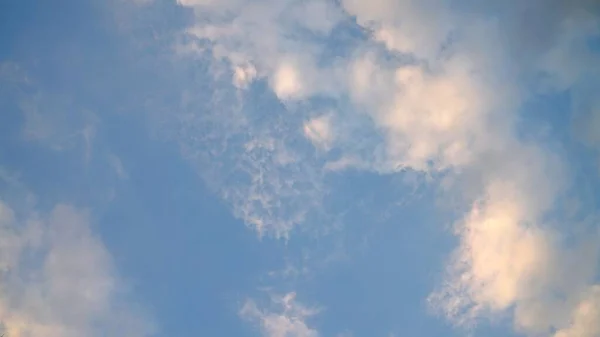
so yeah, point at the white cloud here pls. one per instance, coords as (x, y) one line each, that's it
(58, 280)
(287, 319)
(512, 259)
(426, 117)
(243, 75)
(319, 131)
(287, 81)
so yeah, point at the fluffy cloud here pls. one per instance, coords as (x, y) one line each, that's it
(289, 319)
(57, 279)
(431, 121)
(513, 259)
(510, 259)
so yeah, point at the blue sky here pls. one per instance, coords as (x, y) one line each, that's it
(299, 168)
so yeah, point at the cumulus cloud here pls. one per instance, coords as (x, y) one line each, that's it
(57, 278)
(511, 261)
(287, 319)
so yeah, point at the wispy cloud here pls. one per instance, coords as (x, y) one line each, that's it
(53, 120)
(284, 317)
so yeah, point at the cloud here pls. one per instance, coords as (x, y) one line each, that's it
(268, 35)
(585, 321)
(52, 120)
(57, 278)
(447, 103)
(288, 320)
(400, 24)
(428, 114)
(433, 111)
(243, 76)
(513, 259)
(433, 91)
(416, 85)
(246, 158)
(270, 185)
(423, 86)
(430, 121)
(319, 131)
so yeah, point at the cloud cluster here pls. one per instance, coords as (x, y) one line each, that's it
(58, 280)
(430, 109)
(417, 85)
(288, 319)
(391, 100)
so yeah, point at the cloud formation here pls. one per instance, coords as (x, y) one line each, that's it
(287, 319)
(391, 108)
(57, 279)
(424, 86)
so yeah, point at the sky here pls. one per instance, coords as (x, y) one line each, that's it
(300, 168)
